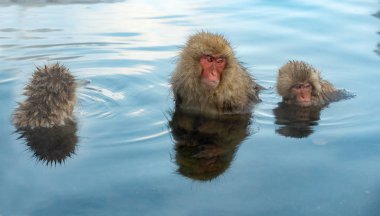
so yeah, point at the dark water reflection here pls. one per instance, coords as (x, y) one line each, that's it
(294, 121)
(51, 145)
(377, 15)
(205, 146)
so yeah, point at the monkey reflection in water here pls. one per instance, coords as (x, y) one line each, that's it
(304, 94)
(45, 118)
(51, 145)
(297, 122)
(205, 146)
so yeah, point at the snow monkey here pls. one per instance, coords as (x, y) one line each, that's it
(50, 98)
(301, 84)
(208, 77)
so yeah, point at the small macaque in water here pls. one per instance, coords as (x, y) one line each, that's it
(50, 99)
(301, 84)
(208, 77)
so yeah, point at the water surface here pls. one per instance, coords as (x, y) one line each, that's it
(135, 155)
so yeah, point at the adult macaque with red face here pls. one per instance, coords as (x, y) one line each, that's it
(300, 84)
(208, 78)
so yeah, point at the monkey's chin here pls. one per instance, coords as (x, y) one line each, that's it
(210, 83)
(303, 100)
(304, 103)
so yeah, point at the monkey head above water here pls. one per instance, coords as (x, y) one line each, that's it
(301, 84)
(50, 98)
(209, 78)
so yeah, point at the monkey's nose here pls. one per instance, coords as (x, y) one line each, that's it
(214, 72)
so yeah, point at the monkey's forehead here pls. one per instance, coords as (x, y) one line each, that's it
(209, 45)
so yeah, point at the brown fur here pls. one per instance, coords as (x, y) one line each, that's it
(50, 98)
(236, 91)
(295, 72)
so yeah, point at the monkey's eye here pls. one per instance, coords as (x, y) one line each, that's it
(302, 86)
(209, 58)
(220, 60)
(307, 86)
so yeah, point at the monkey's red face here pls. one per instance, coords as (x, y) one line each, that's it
(212, 69)
(302, 93)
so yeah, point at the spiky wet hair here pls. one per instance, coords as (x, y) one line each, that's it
(50, 98)
(295, 72)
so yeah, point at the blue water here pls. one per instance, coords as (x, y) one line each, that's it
(128, 158)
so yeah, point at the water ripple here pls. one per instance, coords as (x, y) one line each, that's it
(120, 34)
(72, 44)
(148, 137)
(32, 57)
(98, 102)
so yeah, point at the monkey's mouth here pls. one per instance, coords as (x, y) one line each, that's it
(210, 83)
(211, 78)
(304, 100)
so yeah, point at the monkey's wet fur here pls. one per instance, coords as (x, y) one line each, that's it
(50, 98)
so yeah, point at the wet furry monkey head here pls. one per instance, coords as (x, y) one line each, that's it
(208, 77)
(299, 83)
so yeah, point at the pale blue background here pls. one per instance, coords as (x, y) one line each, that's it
(124, 159)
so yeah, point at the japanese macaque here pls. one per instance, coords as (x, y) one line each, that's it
(205, 145)
(300, 84)
(295, 121)
(208, 77)
(50, 99)
(51, 145)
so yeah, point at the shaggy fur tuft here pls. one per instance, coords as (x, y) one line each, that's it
(236, 91)
(50, 98)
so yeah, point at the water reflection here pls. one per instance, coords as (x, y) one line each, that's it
(296, 121)
(51, 145)
(205, 146)
(378, 45)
